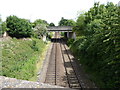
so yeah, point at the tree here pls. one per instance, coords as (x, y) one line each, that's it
(18, 27)
(51, 24)
(66, 22)
(80, 25)
(40, 30)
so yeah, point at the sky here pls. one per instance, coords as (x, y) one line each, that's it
(49, 10)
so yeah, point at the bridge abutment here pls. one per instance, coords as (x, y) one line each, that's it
(71, 35)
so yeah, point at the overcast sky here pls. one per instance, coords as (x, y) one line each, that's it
(49, 10)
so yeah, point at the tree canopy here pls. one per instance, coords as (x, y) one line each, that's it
(18, 27)
(40, 21)
(66, 22)
(51, 24)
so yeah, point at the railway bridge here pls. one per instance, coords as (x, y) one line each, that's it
(67, 29)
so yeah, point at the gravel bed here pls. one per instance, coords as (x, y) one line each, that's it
(6, 82)
(42, 72)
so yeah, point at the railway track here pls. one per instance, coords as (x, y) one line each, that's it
(73, 80)
(62, 69)
(56, 74)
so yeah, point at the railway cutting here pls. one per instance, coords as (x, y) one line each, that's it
(63, 70)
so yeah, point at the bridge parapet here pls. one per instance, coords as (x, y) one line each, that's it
(60, 29)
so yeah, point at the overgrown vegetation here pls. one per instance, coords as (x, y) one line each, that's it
(70, 41)
(20, 56)
(97, 45)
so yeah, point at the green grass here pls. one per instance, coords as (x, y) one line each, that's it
(19, 57)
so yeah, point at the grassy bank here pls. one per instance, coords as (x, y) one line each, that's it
(40, 63)
(20, 57)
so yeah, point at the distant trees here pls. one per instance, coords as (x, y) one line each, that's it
(51, 24)
(40, 21)
(66, 22)
(18, 27)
